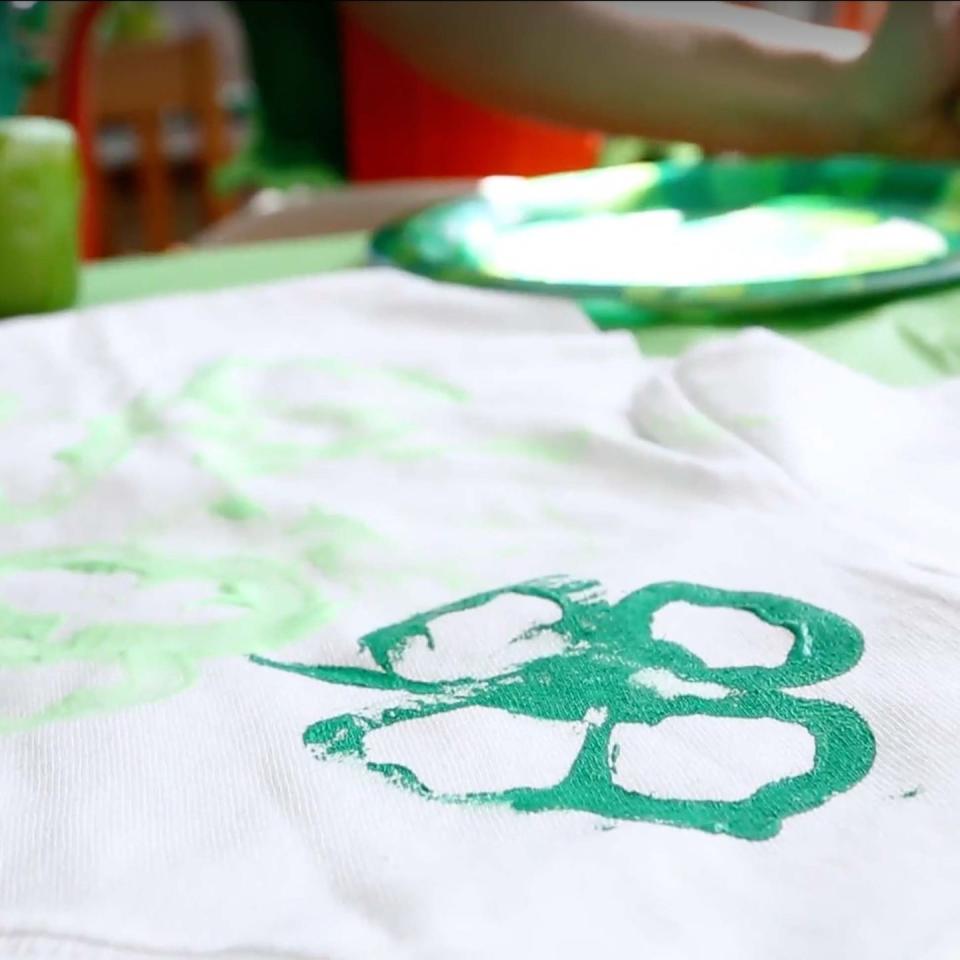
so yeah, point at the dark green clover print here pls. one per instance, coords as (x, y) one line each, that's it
(604, 648)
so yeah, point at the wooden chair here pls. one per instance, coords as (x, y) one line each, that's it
(138, 86)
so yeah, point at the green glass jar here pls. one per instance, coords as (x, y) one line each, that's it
(39, 198)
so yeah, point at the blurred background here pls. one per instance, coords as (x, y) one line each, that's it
(229, 122)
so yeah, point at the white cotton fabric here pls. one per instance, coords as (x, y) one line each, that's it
(199, 824)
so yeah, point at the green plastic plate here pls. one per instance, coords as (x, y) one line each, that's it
(727, 235)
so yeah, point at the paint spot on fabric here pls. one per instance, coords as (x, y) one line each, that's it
(429, 382)
(236, 508)
(333, 541)
(566, 447)
(8, 406)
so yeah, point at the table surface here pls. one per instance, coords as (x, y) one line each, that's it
(911, 341)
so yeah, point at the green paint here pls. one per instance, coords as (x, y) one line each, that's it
(606, 646)
(685, 428)
(338, 525)
(567, 447)
(107, 440)
(333, 537)
(236, 508)
(236, 431)
(786, 239)
(932, 337)
(8, 406)
(362, 558)
(430, 383)
(715, 236)
(910, 794)
(268, 604)
(237, 436)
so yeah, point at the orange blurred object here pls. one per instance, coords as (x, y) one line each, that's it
(401, 126)
(76, 106)
(864, 16)
(136, 85)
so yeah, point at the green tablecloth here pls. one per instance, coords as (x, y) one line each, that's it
(910, 341)
(129, 278)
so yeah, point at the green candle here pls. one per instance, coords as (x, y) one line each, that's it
(39, 195)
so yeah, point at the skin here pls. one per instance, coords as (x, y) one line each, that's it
(735, 78)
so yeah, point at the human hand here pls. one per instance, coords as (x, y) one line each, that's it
(906, 86)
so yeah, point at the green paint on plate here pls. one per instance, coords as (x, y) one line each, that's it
(739, 235)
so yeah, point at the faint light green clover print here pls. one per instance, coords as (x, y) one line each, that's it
(358, 409)
(104, 441)
(605, 646)
(243, 425)
(262, 605)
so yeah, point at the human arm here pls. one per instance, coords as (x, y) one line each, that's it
(745, 80)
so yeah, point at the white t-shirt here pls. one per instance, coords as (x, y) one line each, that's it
(362, 617)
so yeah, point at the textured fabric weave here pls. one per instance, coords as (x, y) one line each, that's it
(363, 617)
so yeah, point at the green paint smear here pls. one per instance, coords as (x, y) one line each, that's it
(236, 508)
(430, 383)
(8, 406)
(560, 448)
(333, 537)
(234, 433)
(734, 242)
(605, 647)
(910, 794)
(107, 440)
(271, 606)
(236, 437)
